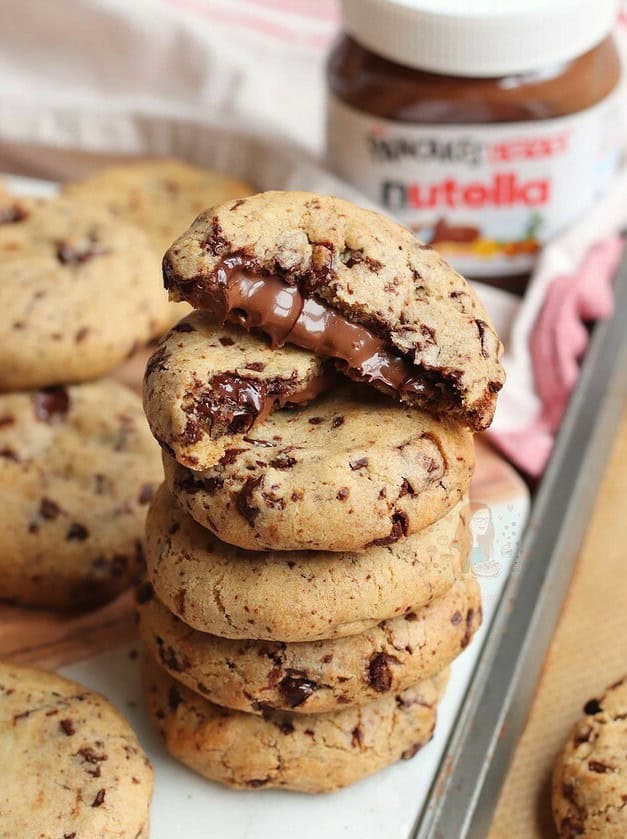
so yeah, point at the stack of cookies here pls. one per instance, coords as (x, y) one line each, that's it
(80, 291)
(306, 587)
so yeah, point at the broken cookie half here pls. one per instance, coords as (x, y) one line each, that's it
(347, 284)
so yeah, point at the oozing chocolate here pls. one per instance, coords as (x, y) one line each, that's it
(231, 404)
(287, 316)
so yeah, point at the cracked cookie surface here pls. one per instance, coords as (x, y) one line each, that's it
(71, 765)
(78, 468)
(162, 197)
(79, 291)
(306, 752)
(315, 677)
(350, 471)
(295, 595)
(350, 284)
(205, 383)
(590, 776)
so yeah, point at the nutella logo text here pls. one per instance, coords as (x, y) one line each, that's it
(501, 190)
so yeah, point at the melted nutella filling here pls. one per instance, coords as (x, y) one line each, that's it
(283, 313)
(232, 404)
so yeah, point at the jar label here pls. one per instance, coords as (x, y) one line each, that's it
(486, 196)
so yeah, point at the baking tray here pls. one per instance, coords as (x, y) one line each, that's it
(465, 791)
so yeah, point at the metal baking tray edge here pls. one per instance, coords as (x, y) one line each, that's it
(465, 791)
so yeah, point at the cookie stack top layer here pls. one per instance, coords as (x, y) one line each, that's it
(348, 284)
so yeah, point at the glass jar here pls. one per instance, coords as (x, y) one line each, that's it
(485, 131)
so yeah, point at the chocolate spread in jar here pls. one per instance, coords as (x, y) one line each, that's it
(486, 138)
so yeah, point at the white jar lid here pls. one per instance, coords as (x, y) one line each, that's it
(479, 37)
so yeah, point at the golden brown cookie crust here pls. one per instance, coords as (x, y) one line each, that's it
(349, 471)
(306, 752)
(77, 469)
(71, 764)
(315, 677)
(232, 593)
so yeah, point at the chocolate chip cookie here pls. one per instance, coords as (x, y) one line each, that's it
(70, 764)
(162, 197)
(306, 752)
(590, 776)
(205, 381)
(77, 469)
(79, 290)
(348, 284)
(350, 471)
(319, 676)
(295, 595)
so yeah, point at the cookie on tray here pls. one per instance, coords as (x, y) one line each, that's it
(162, 197)
(206, 381)
(319, 676)
(306, 752)
(348, 284)
(79, 291)
(78, 467)
(71, 765)
(590, 776)
(350, 471)
(295, 595)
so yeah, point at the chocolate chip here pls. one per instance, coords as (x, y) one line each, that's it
(592, 706)
(48, 509)
(297, 690)
(315, 420)
(411, 751)
(343, 493)
(174, 698)
(357, 737)
(12, 214)
(226, 341)
(400, 526)
(146, 493)
(283, 462)
(257, 782)
(361, 463)
(470, 616)
(597, 766)
(215, 242)
(171, 659)
(456, 618)
(571, 826)
(77, 253)
(336, 422)
(406, 489)
(9, 454)
(379, 672)
(51, 402)
(67, 727)
(285, 726)
(81, 334)
(257, 366)
(6, 421)
(244, 497)
(411, 616)
(183, 327)
(99, 799)
(76, 532)
(90, 756)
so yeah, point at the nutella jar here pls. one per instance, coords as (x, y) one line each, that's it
(485, 126)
